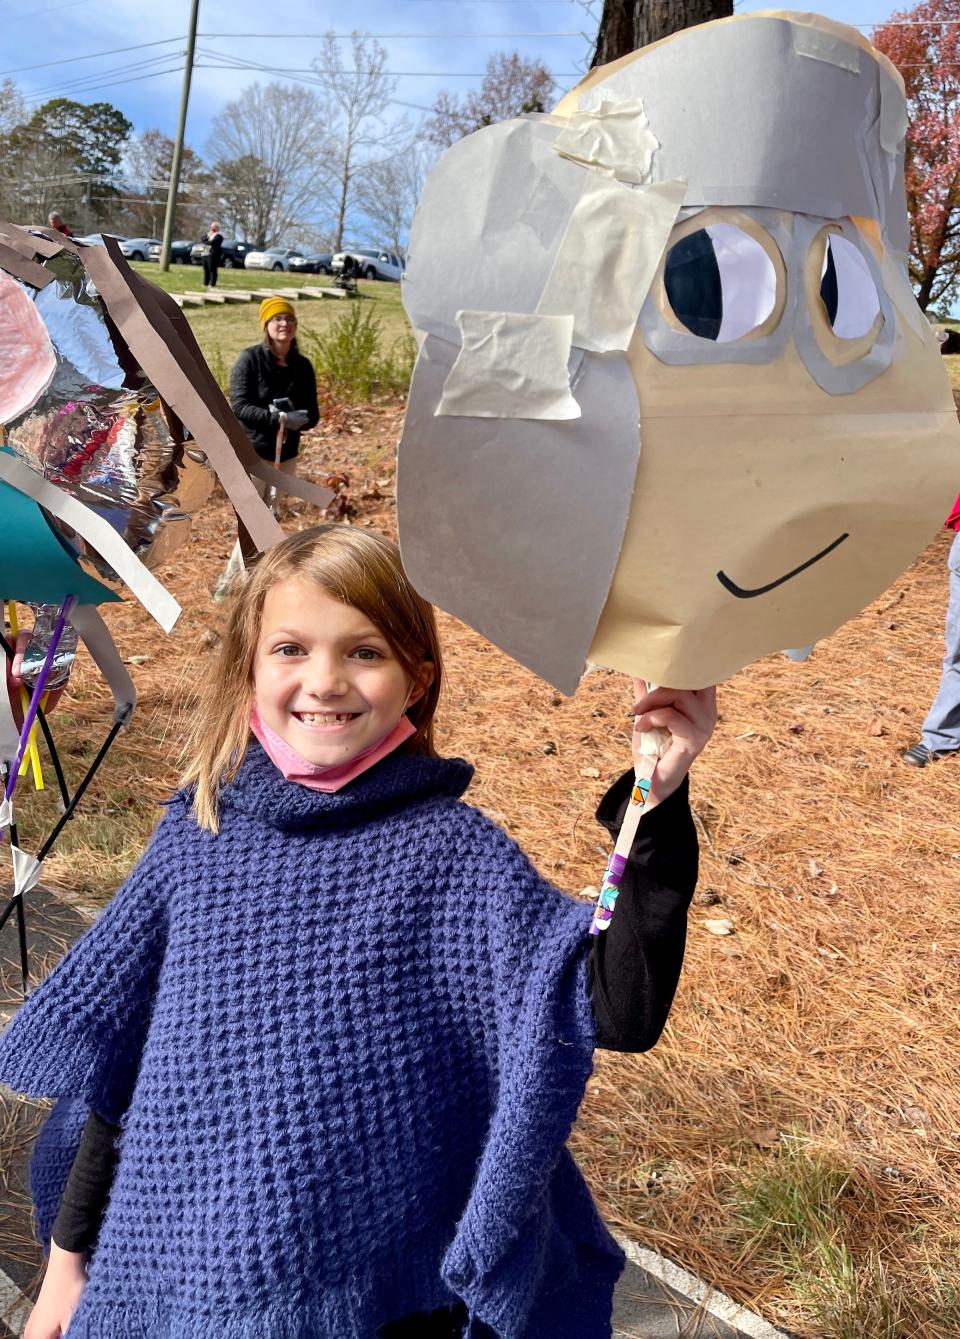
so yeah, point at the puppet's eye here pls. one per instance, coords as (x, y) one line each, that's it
(720, 282)
(847, 290)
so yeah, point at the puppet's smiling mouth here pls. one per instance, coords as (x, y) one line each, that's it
(742, 594)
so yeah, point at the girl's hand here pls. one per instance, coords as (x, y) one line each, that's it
(63, 1284)
(689, 715)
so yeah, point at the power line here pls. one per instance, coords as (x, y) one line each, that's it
(111, 83)
(92, 55)
(99, 78)
(390, 37)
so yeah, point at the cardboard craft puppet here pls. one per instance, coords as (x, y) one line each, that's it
(675, 405)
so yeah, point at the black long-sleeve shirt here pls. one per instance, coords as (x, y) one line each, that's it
(633, 971)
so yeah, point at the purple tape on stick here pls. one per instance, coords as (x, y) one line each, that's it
(37, 694)
(618, 863)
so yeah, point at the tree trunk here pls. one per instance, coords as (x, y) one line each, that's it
(626, 25)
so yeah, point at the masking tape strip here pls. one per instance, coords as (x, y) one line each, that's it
(96, 637)
(608, 258)
(6, 808)
(510, 365)
(99, 534)
(821, 45)
(614, 137)
(26, 871)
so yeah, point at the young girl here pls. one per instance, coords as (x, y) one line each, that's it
(333, 1031)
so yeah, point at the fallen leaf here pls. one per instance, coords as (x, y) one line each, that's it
(875, 728)
(797, 728)
(768, 1136)
(720, 926)
(815, 868)
(592, 772)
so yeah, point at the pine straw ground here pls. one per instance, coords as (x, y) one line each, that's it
(795, 1135)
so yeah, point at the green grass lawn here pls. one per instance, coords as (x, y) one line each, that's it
(223, 330)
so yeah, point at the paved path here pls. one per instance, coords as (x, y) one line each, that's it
(654, 1299)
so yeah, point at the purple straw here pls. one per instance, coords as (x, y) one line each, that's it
(38, 690)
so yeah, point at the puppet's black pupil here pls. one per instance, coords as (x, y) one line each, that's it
(829, 294)
(694, 289)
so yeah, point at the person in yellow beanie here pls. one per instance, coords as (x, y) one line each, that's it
(273, 377)
(268, 379)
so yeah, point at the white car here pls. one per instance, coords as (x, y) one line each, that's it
(138, 248)
(371, 264)
(276, 258)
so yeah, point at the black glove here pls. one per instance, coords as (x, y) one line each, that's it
(297, 420)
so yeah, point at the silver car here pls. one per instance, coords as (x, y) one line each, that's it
(276, 258)
(138, 248)
(370, 264)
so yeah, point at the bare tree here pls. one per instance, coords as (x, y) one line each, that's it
(511, 86)
(147, 170)
(626, 25)
(270, 150)
(361, 137)
(388, 193)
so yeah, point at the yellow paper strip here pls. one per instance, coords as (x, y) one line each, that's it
(31, 754)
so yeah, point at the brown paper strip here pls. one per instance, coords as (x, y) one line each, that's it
(27, 271)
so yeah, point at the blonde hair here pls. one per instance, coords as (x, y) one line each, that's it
(358, 568)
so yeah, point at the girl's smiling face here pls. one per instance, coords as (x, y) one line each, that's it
(324, 676)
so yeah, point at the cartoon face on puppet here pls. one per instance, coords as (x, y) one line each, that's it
(676, 406)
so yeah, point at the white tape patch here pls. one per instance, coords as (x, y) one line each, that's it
(510, 365)
(608, 257)
(820, 45)
(26, 871)
(614, 137)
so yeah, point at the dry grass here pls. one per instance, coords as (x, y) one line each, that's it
(795, 1136)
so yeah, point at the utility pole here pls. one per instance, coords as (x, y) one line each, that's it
(171, 214)
(627, 25)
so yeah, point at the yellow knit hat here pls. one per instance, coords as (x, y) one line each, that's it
(271, 307)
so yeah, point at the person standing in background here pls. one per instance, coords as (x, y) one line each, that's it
(54, 220)
(211, 261)
(941, 730)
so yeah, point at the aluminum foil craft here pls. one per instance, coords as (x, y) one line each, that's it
(100, 379)
(675, 405)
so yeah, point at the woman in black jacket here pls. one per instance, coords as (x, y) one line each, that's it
(272, 376)
(269, 378)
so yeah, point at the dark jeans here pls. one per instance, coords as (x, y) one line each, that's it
(209, 273)
(447, 1323)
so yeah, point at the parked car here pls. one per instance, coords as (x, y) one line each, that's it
(276, 258)
(96, 238)
(314, 263)
(136, 248)
(371, 264)
(179, 252)
(232, 253)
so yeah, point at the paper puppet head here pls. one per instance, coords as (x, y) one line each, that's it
(675, 405)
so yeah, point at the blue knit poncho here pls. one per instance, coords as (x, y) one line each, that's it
(347, 1038)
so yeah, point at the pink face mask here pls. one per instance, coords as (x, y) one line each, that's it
(304, 773)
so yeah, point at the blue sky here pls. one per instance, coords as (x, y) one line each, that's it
(432, 44)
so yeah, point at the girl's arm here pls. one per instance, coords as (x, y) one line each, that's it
(635, 963)
(76, 1229)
